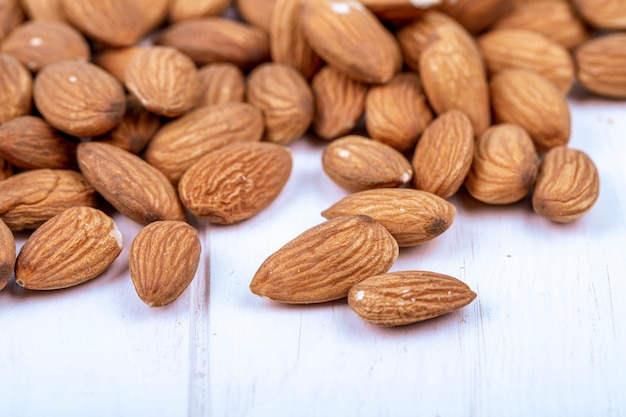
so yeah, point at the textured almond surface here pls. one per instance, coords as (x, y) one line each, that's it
(163, 79)
(75, 246)
(406, 297)
(235, 182)
(79, 98)
(358, 163)
(476, 15)
(16, 86)
(601, 64)
(325, 261)
(7, 254)
(400, 10)
(504, 167)
(220, 83)
(163, 260)
(135, 188)
(257, 13)
(30, 198)
(181, 142)
(115, 60)
(602, 14)
(568, 185)
(411, 216)
(337, 31)
(190, 9)
(443, 155)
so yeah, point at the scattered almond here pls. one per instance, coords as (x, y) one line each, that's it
(220, 83)
(16, 86)
(601, 62)
(7, 254)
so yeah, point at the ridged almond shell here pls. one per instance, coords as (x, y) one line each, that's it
(7, 254)
(601, 64)
(220, 83)
(16, 88)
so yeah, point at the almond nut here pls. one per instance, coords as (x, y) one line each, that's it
(220, 83)
(193, 9)
(601, 64)
(602, 14)
(7, 254)
(16, 86)
(257, 13)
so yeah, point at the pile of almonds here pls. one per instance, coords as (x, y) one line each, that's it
(167, 109)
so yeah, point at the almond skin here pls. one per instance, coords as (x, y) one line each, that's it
(30, 198)
(443, 155)
(73, 247)
(44, 10)
(258, 13)
(192, 9)
(357, 163)
(337, 31)
(131, 185)
(79, 98)
(115, 60)
(236, 181)
(398, 11)
(476, 15)
(29, 142)
(7, 254)
(285, 99)
(325, 261)
(601, 63)
(407, 297)
(411, 216)
(504, 167)
(339, 103)
(531, 101)
(568, 185)
(602, 14)
(163, 260)
(163, 79)
(181, 142)
(16, 87)
(220, 83)
(11, 15)
(36, 44)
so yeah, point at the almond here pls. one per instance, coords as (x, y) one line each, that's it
(411, 216)
(567, 186)
(163, 79)
(30, 198)
(325, 261)
(407, 297)
(79, 98)
(476, 15)
(73, 247)
(285, 99)
(257, 13)
(524, 49)
(7, 254)
(180, 143)
(44, 10)
(339, 103)
(555, 19)
(601, 62)
(531, 101)
(115, 60)
(357, 163)
(220, 83)
(218, 39)
(192, 9)
(236, 181)
(504, 167)
(602, 14)
(36, 44)
(135, 188)
(5, 169)
(397, 112)
(337, 30)
(29, 142)
(163, 260)
(16, 84)
(399, 10)
(11, 15)
(443, 155)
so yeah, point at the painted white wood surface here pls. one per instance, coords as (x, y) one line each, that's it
(545, 337)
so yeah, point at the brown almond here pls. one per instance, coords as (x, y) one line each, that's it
(601, 14)
(11, 15)
(396, 113)
(411, 216)
(285, 99)
(397, 11)
(163, 260)
(555, 19)
(504, 167)
(443, 155)
(476, 15)
(7, 254)
(73, 247)
(181, 142)
(193, 9)
(44, 10)
(29, 142)
(218, 39)
(358, 163)
(568, 185)
(16, 86)
(337, 31)
(6, 170)
(257, 13)
(220, 83)
(236, 181)
(135, 188)
(115, 60)
(36, 44)
(163, 79)
(325, 261)
(601, 62)
(79, 98)
(30, 198)
(531, 101)
(339, 103)
(407, 297)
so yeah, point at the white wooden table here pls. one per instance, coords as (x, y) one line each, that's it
(545, 337)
